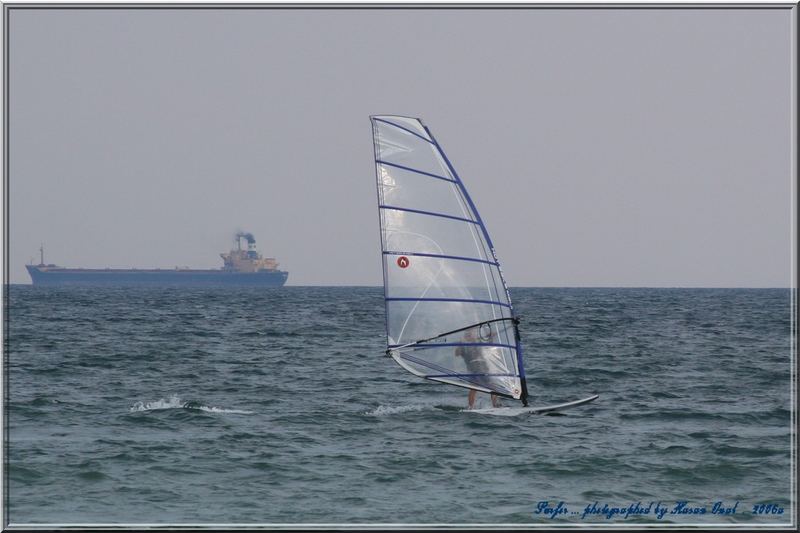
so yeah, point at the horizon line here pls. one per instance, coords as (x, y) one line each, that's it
(345, 285)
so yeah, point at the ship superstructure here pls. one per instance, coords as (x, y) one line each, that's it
(239, 260)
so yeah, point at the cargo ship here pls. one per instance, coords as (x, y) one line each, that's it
(240, 267)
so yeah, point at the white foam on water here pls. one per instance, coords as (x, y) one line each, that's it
(385, 410)
(174, 402)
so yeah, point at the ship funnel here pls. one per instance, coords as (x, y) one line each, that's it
(251, 243)
(247, 236)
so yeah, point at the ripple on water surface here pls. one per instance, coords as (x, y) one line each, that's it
(279, 406)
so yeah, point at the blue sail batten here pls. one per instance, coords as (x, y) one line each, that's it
(439, 256)
(429, 213)
(454, 300)
(416, 171)
(448, 344)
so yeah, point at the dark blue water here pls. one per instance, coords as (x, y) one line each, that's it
(177, 405)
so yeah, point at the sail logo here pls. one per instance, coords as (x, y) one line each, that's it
(403, 262)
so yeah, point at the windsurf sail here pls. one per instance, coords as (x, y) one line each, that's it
(449, 316)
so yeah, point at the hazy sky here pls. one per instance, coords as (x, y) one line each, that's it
(601, 147)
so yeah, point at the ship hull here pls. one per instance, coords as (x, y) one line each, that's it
(111, 276)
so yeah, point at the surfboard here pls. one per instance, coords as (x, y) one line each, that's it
(514, 411)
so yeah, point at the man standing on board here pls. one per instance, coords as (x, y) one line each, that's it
(476, 364)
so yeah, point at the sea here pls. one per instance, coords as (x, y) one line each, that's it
(279, 406)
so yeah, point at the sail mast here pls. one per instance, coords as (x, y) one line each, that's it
(521, 366)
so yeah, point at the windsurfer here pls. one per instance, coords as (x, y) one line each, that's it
(475, 359)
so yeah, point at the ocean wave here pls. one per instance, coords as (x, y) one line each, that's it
(175, 402)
